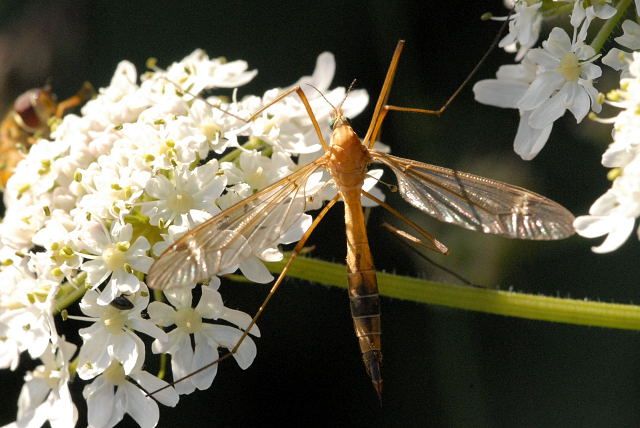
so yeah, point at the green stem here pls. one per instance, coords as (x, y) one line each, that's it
(162, 371)
(253, 143)
(70, 294)
(508, 303)
(610, 24)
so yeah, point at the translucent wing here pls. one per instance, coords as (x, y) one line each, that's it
(252, 226)
(478, 203)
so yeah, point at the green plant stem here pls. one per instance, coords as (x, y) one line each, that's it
(162, 371)
(71, 294)
(508, 303)
(610, 24)
(253, 143)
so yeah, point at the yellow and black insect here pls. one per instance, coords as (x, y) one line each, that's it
(30, 119)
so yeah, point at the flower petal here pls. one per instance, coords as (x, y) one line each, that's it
(228, 337)
(144, 410)
(100, 403)
(529, 141)
(591, 226)
(499, 93)
(540, 90)
(161, 314)
(581, 104)
(255, 270)
(617, 236)
(168, 396)
(549, 111)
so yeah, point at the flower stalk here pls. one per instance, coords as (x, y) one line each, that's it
(487, 300)
(610, 25)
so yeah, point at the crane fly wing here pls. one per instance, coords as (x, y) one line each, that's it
(220, 244)
(478, 203)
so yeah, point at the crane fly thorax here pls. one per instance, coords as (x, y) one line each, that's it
(348, 157)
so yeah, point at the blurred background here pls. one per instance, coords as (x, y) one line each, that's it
(442, 367)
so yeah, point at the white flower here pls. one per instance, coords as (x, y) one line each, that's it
(112, 187)
(20, 225)
(9, 349)
(613, 215)
(197, 72)
(25, 310)
(45, 394)
(188, 199)
(112, 394)
(619, 59)
(615, 212)
(598, 9)
(119, 103)
(112, 255)
(207, 338)
(563, 80)
(258, 171)
(210, 126)
(287, 123)
(506, 91)
(111, 336)
(524, 28)
(60, 261)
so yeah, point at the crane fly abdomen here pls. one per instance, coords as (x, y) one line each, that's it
(347, 162)
(363, 288)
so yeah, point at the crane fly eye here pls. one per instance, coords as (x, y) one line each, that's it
(332, 123)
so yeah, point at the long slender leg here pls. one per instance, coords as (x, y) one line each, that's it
(294, 253)
(412, 241)
(307, 107)
(296, 89)
(431, 242)
(382, 108)
(384, 94)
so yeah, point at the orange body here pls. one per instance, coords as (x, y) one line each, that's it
(347, 161)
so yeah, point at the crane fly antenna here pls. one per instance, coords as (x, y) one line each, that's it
(321, 94)
(347, 93)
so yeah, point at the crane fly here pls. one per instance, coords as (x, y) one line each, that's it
(466, 200)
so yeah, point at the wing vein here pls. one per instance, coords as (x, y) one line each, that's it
(221, 243)
(478, 203)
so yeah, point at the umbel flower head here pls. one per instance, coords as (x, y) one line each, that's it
(548, 82)
(562, 75)
(87, 212)
(614, 214)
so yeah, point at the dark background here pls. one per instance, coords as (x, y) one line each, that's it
(443, 367)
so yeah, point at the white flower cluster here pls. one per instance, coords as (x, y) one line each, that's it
(560, 76)
(89, 210)
(549, 80)
(614, 213)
